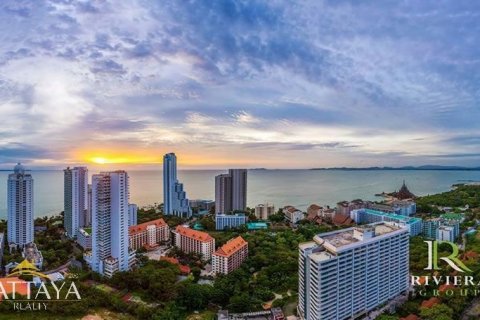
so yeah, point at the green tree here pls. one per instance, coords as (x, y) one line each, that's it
(437, 312)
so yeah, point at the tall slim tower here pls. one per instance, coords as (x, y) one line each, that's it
(223, 193)
(239, 188)
(20, 206)
(175, 200)
(110, 222)
(75, 199)
(231, 191)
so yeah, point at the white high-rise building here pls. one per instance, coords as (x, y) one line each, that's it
(75, 200)
(110, 223)
(20, 206)
(346, 273)
(231, 191)
(175, 200)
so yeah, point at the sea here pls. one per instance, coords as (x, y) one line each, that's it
(298, 188)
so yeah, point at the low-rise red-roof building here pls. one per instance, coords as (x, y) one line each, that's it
(148, 234)
(189, 240)
(230, 256)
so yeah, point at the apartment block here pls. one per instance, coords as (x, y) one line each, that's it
(361, 216)
(229, 221)
(189, 240)
(148, 234)
(263, 211)
(346, 273)
(230, 256)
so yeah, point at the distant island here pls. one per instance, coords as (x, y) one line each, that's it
(425, 167)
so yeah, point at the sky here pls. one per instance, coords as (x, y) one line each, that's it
(274, 84)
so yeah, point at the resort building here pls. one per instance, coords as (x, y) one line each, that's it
(75, 196)
(132, 214)
(230, 256)
(263, 211)
(84, 238)
(20, 207)
(189, 240)
(110, 195)
(362, 216)
(148, 234)
(345, 207)
(292, 214)
(231, 191)
(343, 274)
(441, 229)
(175, 200)
(229, 221)
(404, 207)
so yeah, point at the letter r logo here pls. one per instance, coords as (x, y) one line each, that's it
(451, 260)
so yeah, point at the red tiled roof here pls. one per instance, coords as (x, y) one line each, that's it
(169, 259)
(21, 286)
(231, 247)
(194, 234)
(340, 219)
(430, 302)
(143, 226)
(183, 269)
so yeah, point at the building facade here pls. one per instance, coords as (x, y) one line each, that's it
(230, 256)
(231, 191)
(263, 211)
(20, 207)
(229, 221)
(292, 214)
(75, 199)
(414, 225)
(2, 244)
(441, 229)
(110, 193)
(346, 273)
(84, 238)
(132, 214)
(175, 200)
(148, 234)
(189, 240)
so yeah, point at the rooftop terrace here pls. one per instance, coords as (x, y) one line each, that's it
(405, 219)
(348, 236)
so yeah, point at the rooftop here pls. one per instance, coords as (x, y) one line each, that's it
(405, 219)
(341, 238)
(256, 225)
(231, 247)
(194, 234)
(143, 226)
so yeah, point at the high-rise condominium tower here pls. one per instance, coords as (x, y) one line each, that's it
(110, 222)
(231, 191)
(175, 200)
(346, 273)
(75, 199)
(20, 206)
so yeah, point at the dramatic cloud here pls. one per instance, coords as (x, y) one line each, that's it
(257, 83)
